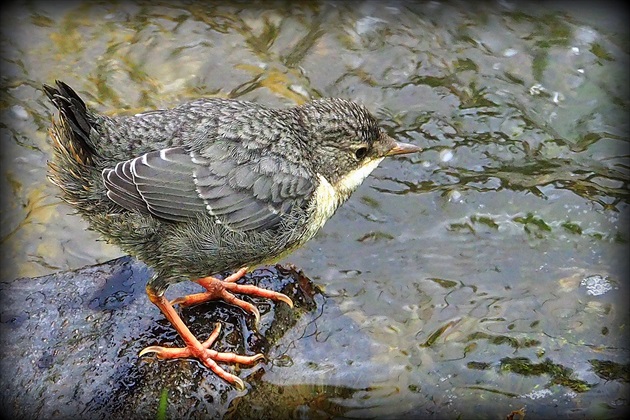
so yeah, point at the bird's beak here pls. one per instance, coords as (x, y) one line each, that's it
(403, 149)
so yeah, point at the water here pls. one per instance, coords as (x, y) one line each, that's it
(467, 267)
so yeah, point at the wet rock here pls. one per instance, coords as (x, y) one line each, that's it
(71, 341)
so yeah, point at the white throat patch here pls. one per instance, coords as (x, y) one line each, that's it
(350, 182)
(327, 199)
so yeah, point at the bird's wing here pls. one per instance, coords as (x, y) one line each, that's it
(177, 185)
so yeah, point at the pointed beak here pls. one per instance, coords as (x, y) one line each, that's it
(403, 149)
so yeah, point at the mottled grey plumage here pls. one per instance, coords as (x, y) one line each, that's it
(210, 186)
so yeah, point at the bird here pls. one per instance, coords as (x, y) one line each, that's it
(211, 186)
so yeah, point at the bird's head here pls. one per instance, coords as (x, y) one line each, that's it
(347, 143)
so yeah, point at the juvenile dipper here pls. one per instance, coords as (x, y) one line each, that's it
(210, 186)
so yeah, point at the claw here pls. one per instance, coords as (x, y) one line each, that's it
(284, 298)
(256, 313)
(150, 349)
(238, 383)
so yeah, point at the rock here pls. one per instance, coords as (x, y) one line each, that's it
(71, 341)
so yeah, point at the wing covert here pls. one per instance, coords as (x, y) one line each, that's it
(177, 185)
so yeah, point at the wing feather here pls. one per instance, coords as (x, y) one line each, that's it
(178, 185)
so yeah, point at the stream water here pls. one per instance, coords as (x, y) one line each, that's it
(491, 271)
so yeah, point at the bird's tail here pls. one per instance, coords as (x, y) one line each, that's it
(73, 167)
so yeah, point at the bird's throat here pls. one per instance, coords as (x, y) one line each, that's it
(351, 181)
(329, 197)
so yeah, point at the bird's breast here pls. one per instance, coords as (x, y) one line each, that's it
(324, 204)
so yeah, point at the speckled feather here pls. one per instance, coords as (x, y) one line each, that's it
(213, 184)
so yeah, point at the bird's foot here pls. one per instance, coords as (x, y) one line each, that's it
(224, 289)
(208, 357)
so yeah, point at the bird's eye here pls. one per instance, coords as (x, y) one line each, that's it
(361, 152)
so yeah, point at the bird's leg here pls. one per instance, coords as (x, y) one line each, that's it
(194, 348)
(224, 289)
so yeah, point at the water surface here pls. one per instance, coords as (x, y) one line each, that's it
(487, 274)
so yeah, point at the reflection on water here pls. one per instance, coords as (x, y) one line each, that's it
(464, 266)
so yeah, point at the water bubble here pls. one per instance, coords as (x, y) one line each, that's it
(454, 195)
(446, 155)
(571, 394)
(510, 52)
(537, 394)
(19, 112)
(557, 97)
(596, 285)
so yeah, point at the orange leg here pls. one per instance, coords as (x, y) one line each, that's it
(224, 289)
(193, 347)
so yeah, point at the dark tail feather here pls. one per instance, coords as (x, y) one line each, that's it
(75, 121)
(74, 166)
